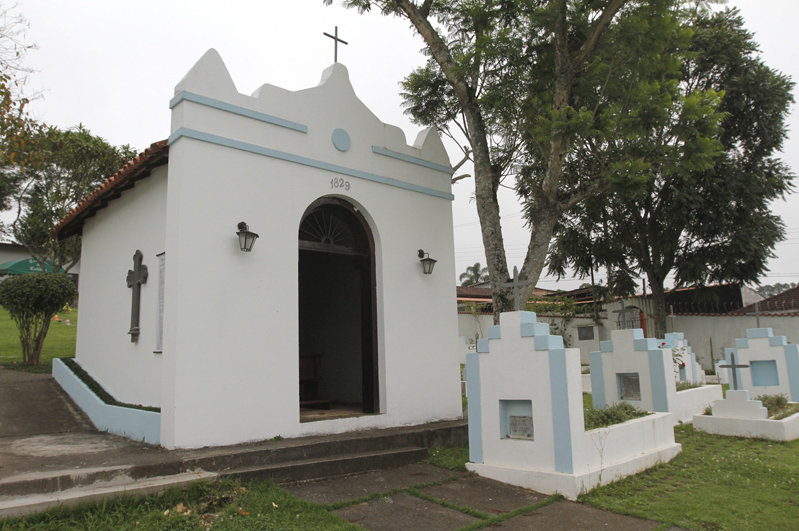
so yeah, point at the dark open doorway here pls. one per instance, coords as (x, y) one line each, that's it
(337, 308)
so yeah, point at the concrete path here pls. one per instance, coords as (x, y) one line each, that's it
(424, 497)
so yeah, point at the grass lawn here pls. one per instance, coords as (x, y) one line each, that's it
(60, 342)
(716, 483)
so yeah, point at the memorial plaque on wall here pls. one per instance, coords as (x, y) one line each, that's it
(585, 333)
(521, 427)
(630, 387)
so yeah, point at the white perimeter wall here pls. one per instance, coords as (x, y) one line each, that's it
(231, 331)
(131, 372)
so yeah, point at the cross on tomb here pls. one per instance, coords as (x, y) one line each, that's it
(136, 277)
(516, 284)
(336, 40)
(733, 366)
(623, 314)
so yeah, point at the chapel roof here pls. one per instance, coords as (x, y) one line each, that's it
(136, 169)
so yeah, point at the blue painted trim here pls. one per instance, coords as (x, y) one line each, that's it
(482, 346)
(758, 333)
(669, 343)
(645, 344)
(475, 407)
(674, 335)
(528, 317)
(305, 161)
(561, 422)
(638, 333)
(597, 379)
(657, 379)
(764, 373)
(606, 346)
(548, 342)
(777, 341)
(494, 332)
(741, 343)
(135, 424)
(341, 140)
(236, 109)
(534, 329)
(694, 368)
(413, 160)
(792, 362)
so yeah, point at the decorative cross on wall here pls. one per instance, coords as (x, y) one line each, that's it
(516, 284)
(336, 40)
(136, 277)
(733, 366)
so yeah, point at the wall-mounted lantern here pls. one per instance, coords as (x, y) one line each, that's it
(427, 262)
(246, 238)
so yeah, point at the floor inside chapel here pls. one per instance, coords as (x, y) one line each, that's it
(336, 411)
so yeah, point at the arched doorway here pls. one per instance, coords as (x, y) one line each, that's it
(337, 311)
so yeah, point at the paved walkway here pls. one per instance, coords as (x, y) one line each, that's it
(423, 497)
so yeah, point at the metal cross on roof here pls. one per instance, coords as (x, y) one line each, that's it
(136, 277)
(733, 366)
(336, 40)
(516, 284)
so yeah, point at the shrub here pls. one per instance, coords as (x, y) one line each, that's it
(32, 300)
(682, 386)
(609, 415)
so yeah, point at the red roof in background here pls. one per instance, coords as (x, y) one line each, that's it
(787, 300)
(138, 168)
(466, 292)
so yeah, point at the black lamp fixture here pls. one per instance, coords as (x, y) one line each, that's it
(427, 262)
(246, 238)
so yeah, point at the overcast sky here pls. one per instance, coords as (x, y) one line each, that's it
(113, 66)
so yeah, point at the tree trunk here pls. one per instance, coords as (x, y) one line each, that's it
(659, 305)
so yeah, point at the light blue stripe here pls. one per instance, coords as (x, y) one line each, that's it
(561, 423)
(758, 333)
(534, 329)
(606, 346)
(792, 361)
(494, 332)
(474, 407)
(412, 160)
(657, 377)
(777, 341)
(236, 109)
(305, 161)
(693, 367)
(483, 346)
(597, 379)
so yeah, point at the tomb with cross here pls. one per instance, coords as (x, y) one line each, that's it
(515, 283)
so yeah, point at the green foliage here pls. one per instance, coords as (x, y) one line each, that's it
(696, 200)
(32, 300)
(745, 484)
(100, 391)
(73, 164)
(682, 386)
(778, 406)
(560, 309)
(767, 290)
(599, 417)
(474, 275)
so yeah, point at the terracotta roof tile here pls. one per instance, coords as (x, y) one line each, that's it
(787, 300)
(473, 293)
(137, 168)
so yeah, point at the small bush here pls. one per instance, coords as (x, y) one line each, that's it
(32, 300)
(778, 406)
(609, 415)
(682, 386)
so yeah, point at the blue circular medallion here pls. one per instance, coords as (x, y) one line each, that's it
(341, 139)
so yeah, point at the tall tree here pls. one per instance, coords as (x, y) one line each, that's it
(474, 275)
(72, 164)
(704, 225)
(524, 81)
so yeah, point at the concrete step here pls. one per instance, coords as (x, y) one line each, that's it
(21, 497)
(326, 467)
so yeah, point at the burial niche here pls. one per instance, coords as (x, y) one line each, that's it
(337, 307)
